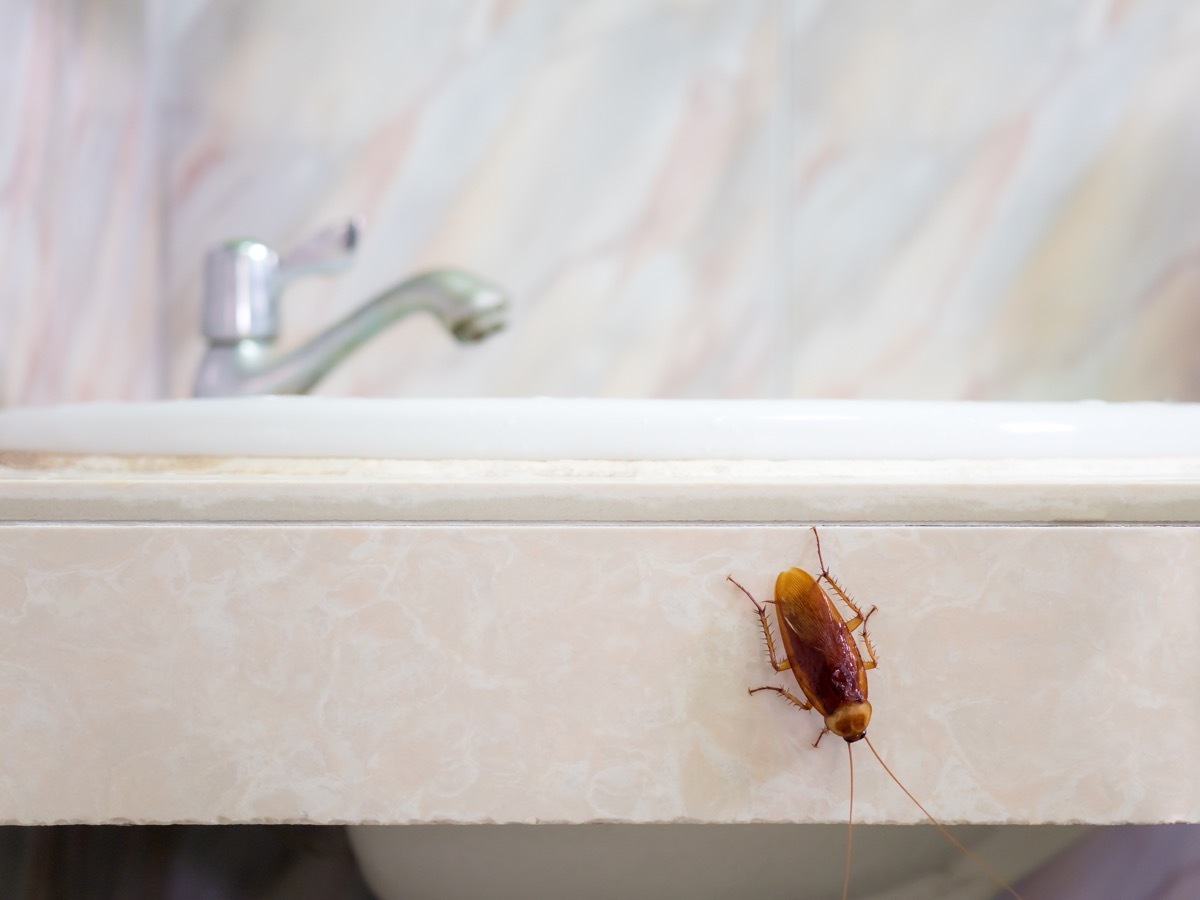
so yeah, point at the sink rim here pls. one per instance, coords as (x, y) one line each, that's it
(544, 428)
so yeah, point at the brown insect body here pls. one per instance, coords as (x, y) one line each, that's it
(820, 649)
(829, 668)
(822, 653)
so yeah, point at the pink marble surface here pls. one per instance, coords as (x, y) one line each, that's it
(990, 201)
(551, 673)
(80, 208)
(612, 164)
(763, 198)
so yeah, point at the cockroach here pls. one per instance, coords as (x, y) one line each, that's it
(820, 651)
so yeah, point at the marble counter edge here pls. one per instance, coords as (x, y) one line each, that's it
(38, 488)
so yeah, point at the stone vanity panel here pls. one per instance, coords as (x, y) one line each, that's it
(522, 673)
(36, 487)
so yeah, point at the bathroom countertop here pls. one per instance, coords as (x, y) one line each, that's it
(45, 487)
(321, 641)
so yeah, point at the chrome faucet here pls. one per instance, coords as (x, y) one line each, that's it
(242, 283)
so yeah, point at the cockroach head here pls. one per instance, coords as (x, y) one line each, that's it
(849, 721)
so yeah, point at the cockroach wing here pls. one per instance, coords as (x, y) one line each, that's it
(824, 656)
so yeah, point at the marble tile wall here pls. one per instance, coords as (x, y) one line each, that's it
(614, 164)
(992, 200)
(702, 198)
(80, 223)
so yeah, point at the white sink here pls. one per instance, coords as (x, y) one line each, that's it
(546, 429)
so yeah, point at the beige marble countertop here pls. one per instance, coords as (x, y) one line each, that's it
(419, 642)
(41, 487)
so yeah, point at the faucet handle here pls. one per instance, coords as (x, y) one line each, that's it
(329, 251)
(244, 278)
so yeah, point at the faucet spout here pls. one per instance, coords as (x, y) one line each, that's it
(469, 308)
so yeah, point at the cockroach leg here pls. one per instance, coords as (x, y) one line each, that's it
(786, 695)
(860, 619)
(816, 743)
(766, 627)
(820, 559)
(761, 610)
(867, 641)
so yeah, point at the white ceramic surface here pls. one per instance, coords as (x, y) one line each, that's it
(698, 862)
(543, 428)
